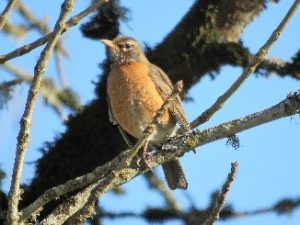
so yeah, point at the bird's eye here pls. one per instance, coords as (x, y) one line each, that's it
(128, 45)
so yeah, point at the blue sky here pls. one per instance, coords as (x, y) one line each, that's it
(269, 156)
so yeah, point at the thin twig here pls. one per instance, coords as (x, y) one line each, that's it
(16, 31)
(39, 24)
(60, 70)
(288, 205)
(287, 107)
(258, 58)
(160, 186)
(214, 215)
(42, 27)
(4, 15)
(48, 91)
(70, 23)
(283, 206)
(25, 122)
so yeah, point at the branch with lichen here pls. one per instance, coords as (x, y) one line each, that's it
(25, 122)
(69, 207)
(123, 174)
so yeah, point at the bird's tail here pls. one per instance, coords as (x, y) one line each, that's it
(174, 175)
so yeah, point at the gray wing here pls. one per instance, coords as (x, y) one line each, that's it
(110, 115)
(164, 87)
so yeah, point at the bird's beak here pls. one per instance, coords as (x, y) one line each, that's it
(108, 43)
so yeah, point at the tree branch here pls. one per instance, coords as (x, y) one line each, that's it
(159, 185)
(25, 122)
(258, 58)
(70, 23)
(287, 107)
(69, 207)
(16, 31)
(283, 206)
(40, 25)
(48, 91)
(4, 15)
(220, 201)
(151, 214)
(280, 67)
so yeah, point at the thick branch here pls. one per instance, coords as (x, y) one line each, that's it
(287, 107)
(69, 207)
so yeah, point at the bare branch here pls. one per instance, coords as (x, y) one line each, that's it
(62, 212)
(70, 23)
(287, 107)
(16, 31)
(221, 198)
(159, 185)
(283, 206)
(258, 58)
(25, 122)
(48, 91)
(280, 67)
(4, 15)
(88, 208)
(60, 70)
(39, 24)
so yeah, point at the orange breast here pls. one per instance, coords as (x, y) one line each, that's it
(134, 99)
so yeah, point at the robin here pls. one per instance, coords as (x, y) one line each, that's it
(136, 89)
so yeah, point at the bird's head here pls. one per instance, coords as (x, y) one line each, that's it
(123, 49)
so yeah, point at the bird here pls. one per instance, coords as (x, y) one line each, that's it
(136, 89)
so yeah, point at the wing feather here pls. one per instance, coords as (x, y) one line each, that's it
(164, 87)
